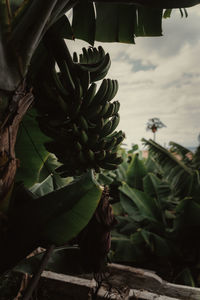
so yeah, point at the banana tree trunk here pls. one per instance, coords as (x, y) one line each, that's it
(18, 103)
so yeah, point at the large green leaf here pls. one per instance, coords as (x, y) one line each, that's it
(179, 149)
(121, 22)
(155, 187)
(157, 244)
(185, 277)
(65, 260)
(115, 22)
(70, 223)
(179, 176)
(130, 208)
(83, 23)
(30, 149)
(63, 28)
(188, 212)
(146, 205)
(60, 215)
(149, 22)
(135, 173)
(124, 250)
(54, 218)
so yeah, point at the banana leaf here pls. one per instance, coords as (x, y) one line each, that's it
(147, 206)
(155, 187)
(185, 277)
(157, 244)
(64, 260)
(121, 22)
(178, 175)
(187, 214)
(130, 208)
(30, 149)
(135, 173)
(179, 149)
(54, 218)
(124, 250)
(126, 225)
(83, 23)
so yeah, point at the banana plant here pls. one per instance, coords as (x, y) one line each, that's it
(29, 30)
(159, 220)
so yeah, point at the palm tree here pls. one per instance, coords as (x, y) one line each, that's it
(154, 124)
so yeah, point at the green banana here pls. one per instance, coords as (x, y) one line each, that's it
(93, 112)
(87, 100)
(115, 121)
(96, 55)
(84, 77)
(81, 58)
(99, 125)
(75, 57)
(85, 55)
(83, 137)
(77, 146)
(116, 134)
(110, 89)
(91, 56)
(111, 143)
(120, 139)
(101, 52)
(107, 165)
(54, 97)
(110, 110)
(100, 145)
(75, 129)
(58, 83)
(90, 154)
(101, 93)
(112, 157)
(78, 92)
(114, 90)
(75, 108)
(116, 107)
(66, 72)
(83, 123)
(104, 110)
(93, 140)
(81, 157)
(100, 155)
(102, 69)
(118, 160)
(106, 129)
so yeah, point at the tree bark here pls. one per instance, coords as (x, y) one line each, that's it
(19, 103)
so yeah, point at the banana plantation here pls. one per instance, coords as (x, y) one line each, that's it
(72, 198)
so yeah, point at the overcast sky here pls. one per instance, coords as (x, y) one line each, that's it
(159, 77)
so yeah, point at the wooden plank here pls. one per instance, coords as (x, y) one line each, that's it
(122, 282)
(140, 279)
(144, 295)
(65, 286)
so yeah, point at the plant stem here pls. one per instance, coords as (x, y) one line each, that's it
(34, 281)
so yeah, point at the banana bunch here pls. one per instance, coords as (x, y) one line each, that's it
(83, 130)
(95, 61)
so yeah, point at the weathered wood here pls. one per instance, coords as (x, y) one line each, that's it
(122, 282)
(144, 295)
(141, 279)
(70, 287)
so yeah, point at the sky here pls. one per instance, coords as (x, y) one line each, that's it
(159, 77)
